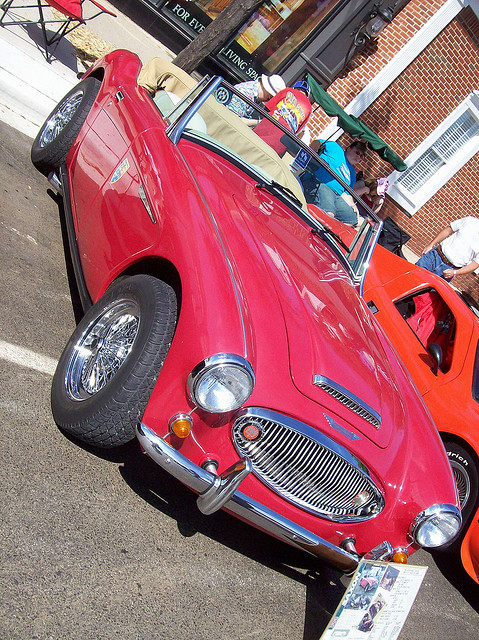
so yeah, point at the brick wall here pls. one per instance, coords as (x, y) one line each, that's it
(431, 87)
(377, 54)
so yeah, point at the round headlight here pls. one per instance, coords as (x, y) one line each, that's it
(436, 526)
(221, 383)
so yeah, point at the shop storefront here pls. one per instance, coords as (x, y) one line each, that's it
(290, 37)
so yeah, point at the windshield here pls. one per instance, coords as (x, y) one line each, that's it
(267, 150)
(470, 301)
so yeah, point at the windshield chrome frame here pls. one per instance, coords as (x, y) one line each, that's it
(190, 104)
(186, 108)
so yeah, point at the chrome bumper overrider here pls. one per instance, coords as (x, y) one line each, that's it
(218, 491)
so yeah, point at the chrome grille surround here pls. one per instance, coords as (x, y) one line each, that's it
(348, 399)
(306, 467)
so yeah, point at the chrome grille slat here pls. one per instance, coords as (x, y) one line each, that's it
(307, 468)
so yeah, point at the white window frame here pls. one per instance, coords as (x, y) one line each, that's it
(411, 203)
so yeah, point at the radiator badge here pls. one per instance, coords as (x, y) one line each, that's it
(250, 432)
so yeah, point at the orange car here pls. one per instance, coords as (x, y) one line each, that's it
(435, 330)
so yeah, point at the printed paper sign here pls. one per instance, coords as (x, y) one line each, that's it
(377, 601)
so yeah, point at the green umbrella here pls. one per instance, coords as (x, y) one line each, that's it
(354, 126)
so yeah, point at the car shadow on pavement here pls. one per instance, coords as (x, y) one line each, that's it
(450, 565)
(72, 284)
(323, 585)
(324, 588)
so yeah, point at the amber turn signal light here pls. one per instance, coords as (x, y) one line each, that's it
(180, 424)
(400, 557)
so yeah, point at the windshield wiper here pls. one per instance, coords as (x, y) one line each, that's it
(326, 231)
(275, 187)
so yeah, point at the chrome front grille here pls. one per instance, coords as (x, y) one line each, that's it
(305, 467)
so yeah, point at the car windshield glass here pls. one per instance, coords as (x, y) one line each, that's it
(470, 301)
(215, 114)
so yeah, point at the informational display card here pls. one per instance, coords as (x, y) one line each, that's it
(377, 601)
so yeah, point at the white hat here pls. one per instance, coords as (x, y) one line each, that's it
(273, 84)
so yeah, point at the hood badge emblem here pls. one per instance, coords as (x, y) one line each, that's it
(342, 430)
(251, 432)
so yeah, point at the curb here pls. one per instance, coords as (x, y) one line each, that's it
(29, 89)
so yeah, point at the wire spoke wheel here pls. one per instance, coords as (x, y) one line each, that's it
(463, 483)
(111, 363)
(102, 349)
(60, 118)
(59, 131)
(465, 471)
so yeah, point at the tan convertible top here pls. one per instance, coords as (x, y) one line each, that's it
(221, 123)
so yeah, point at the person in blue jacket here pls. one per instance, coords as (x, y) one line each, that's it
(328, 195)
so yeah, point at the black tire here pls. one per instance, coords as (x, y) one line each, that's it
(58, 132)
(110, 365)
(467, 480)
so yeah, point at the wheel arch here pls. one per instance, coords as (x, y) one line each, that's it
(157, 267)
(448, 436)
(98, 73)
(110, 365)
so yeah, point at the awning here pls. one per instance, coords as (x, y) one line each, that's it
(354, 126)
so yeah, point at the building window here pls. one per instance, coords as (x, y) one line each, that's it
(439, 157)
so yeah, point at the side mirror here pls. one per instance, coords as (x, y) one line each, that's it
(435, 352)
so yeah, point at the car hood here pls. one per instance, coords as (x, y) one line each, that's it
(332, 337)
(317, 315)
(335, 351)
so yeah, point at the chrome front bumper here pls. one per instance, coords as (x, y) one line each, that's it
(218, 491)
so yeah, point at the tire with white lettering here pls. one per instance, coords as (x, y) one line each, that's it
(110, 365)
(466, 474)
(58, 132)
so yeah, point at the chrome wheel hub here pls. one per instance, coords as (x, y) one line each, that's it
(102, 349)
(60, 118)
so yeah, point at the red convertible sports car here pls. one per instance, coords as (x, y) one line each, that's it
(435, 330)
(224, 325)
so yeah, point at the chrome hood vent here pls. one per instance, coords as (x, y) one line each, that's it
(306, 467)
(348, 399)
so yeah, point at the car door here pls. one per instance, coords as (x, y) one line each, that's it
(421, 317)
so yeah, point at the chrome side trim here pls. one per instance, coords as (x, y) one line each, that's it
(242, 505)
(146, 204)
(348, 399)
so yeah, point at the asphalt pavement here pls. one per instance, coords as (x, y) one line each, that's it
(30, 86)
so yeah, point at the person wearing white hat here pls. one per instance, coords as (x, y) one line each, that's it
(260, 91)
